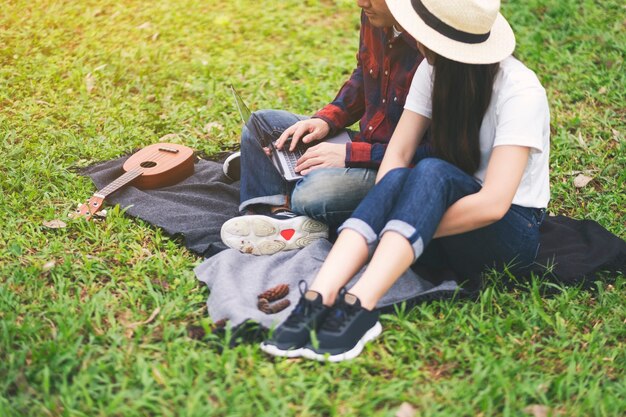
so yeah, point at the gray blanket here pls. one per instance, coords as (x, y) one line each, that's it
(195, 208)
(235, 279)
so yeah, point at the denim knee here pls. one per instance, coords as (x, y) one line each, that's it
(331, 194)
(433, 168)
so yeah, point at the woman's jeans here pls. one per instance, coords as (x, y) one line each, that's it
(412, 201)
(326, 194)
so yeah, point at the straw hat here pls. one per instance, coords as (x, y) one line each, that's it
(469, 31)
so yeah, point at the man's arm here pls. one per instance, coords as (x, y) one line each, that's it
(346, 109)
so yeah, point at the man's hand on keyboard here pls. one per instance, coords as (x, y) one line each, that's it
(322, 155)
(308, 130)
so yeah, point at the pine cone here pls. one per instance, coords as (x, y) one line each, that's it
(264, 306)
(276, 293)
(273, 308)
(279, 306)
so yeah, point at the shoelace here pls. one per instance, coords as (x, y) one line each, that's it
(303, 308)
(339, 317)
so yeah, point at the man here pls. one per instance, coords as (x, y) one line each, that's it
(284, 216)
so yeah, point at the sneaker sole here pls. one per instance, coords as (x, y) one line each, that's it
(264, 235)
(370, 335)
(275, 351)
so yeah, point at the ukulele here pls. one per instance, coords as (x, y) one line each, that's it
(154, 166)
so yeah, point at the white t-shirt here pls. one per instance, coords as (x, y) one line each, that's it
(517, 114)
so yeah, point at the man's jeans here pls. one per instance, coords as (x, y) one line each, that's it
(412, 201)
(326, 194)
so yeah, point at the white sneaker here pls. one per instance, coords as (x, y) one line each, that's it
(265, 235)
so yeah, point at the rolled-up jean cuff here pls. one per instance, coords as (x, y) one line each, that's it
(409, 232)
(363, 229)
(272, 200)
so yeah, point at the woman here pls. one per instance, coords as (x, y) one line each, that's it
(475, 202)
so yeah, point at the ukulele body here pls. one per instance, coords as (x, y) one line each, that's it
(155, 166)
(161, 165)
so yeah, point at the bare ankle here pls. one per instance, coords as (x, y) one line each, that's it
(328, 299)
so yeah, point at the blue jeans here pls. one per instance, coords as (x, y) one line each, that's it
(326, 194)
(412, 201)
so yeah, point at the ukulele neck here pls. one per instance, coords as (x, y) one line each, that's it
(118, 183)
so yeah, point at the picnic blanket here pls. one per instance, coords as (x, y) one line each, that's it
(193, 209)
(236, 279)
(571, 251)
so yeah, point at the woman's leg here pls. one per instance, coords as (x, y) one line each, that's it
(512, 243)
(419, 199)
(347, 256)
(430, 188)
(354, 244)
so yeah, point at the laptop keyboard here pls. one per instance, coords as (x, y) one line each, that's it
(292, 157)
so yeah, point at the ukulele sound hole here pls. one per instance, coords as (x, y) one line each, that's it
(148, 164)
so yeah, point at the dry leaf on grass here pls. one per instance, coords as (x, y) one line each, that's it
(582, 180)
(130, 327)
(148, 320)
(158, 376)
(406, 410)
(90, 82)
(54, 224)
(48, 266)
(213, 125)
(581, 141)
(537, 410)
(169, 137)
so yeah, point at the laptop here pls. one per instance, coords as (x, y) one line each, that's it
(284, 160)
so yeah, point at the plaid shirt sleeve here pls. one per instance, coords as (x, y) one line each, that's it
(364, 154)
(375, 93)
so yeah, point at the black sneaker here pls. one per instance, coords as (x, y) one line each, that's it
(232, 166)
(290, 337)
(344, 333)
(265, 235)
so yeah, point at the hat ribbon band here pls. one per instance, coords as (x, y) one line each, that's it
(435, 23)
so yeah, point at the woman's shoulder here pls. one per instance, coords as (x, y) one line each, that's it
(515, 78)
(514, 73)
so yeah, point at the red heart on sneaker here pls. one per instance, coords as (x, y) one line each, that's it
(287, 233)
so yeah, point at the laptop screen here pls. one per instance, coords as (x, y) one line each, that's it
(244, 111)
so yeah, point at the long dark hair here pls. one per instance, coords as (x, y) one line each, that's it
(461, 95)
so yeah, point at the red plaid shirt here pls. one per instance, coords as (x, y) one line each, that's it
(374, 94)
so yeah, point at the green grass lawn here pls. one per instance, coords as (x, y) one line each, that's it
(85, 81)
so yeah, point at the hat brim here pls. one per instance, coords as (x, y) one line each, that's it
(499, 45)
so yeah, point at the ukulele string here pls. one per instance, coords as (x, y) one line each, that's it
(122, 180)
(155, 157)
